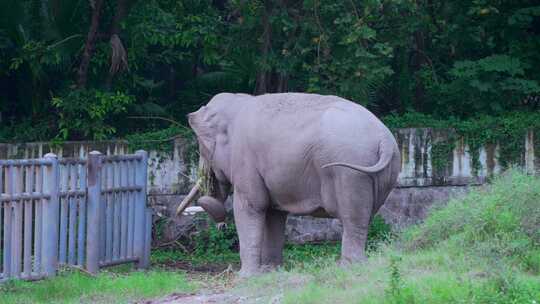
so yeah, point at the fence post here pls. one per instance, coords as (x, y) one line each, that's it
(51, 209)
(140, 210)
(147, 238)
(93, 243)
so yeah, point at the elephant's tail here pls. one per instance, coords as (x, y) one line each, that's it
(386, 146)
(387, 152)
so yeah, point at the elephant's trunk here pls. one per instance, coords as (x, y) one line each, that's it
(213, 207)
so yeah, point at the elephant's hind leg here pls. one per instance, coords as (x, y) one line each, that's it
(274, 238)
(354, 194)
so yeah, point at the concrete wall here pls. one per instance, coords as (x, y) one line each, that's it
(421, 184)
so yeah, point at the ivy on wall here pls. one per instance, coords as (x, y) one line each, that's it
(162, 141)
(508, 131)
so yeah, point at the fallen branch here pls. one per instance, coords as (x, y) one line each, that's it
(187, 200)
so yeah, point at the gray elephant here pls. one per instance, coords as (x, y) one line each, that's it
(302, 154)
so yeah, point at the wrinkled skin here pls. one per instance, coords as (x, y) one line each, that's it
(295, 153)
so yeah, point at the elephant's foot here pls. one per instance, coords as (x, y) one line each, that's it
(346, 261)
(248, 272)
(270, 267)
(272, 257)
(251, 271)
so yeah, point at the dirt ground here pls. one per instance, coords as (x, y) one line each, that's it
(198, 299)
(211, 298)
(216, 280)
(215, 287)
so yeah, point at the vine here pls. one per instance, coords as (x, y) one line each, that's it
(440, 151)
(536, 139)
(161, 141)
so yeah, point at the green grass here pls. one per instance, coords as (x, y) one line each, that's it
(294, 256)
(171, 256)
(110, 286)
(484, 248)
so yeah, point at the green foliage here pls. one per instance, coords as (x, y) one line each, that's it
(208, 246)
(110, 286)
(458, 59)
(418, 120)
(214, 241)
(441, 150)
(461, 65)
(88, 113)
(306, 255)
(500, 222)
(173, 256)
(491, 84)
(379, 232)
(28, 131)
(160, 140)
(395, 291)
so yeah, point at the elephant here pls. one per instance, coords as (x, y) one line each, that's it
(293, 153)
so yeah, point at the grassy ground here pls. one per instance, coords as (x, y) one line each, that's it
(484, 248)
(116, 285)
(294, 257)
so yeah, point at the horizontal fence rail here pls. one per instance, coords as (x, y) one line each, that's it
(87, 213)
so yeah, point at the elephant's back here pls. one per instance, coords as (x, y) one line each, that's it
(329, 125)
(297, 104)
(292, 103)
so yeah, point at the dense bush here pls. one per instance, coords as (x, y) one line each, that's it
(89, 113)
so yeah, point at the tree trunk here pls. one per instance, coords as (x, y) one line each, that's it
(89, 46)
(419, 62)
(270, 80)
(264, 75)
(118, 52)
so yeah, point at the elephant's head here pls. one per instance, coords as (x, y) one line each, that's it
(211, 124)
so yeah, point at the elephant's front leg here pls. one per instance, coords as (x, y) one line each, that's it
(274, 238)
(249, 217)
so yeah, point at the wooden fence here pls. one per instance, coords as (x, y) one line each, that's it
(84, 213)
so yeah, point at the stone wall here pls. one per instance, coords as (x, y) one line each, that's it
(425, 178)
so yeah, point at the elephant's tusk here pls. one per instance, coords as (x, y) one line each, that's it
(187, 200)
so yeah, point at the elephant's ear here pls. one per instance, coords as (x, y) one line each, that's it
(205, 129)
